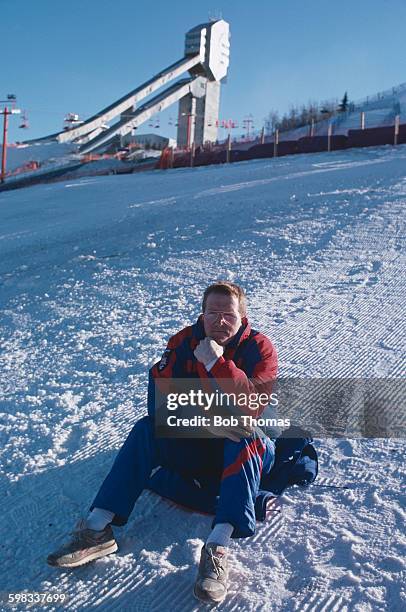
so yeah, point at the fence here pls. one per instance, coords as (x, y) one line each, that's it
(229, 151)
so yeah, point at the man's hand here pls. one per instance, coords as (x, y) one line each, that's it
(207, 350)
(232, 432)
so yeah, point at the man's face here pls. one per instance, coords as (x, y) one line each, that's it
(221, 317)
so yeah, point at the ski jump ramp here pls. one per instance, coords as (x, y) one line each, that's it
(206, 58)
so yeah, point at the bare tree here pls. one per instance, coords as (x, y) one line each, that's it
(272, 121)
(299, 117)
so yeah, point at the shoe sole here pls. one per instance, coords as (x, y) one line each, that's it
(91, 557)
(208, 601)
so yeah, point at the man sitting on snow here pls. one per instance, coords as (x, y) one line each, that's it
(220, 346)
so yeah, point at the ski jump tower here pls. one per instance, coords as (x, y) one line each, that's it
(206, 58)
(198, 115)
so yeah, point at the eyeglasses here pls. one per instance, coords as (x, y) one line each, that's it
(230, 317)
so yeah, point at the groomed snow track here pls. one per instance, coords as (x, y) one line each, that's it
(96, 275)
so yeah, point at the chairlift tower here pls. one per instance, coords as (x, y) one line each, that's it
(6, 111)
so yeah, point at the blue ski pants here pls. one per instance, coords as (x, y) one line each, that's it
(234, 469)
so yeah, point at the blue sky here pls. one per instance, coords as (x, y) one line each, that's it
(81, 55)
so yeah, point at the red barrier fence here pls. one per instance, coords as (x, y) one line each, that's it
(376, 136)
(370, 137)
(318, 144)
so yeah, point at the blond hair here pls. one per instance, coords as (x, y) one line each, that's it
(227, 288)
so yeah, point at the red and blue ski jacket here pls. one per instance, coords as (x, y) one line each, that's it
(249, 363)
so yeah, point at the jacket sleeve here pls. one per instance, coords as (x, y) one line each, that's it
(232, 379)
(161, 371)
(162, 375)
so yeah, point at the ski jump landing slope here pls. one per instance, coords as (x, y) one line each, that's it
(96, 274)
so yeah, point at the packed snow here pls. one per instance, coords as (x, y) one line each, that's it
(97, 273)
(47, 153)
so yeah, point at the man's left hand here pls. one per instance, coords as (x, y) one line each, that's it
(207, 350)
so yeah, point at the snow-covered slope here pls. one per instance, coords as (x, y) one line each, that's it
(48, 153)
(95, 276)
(380, 110)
